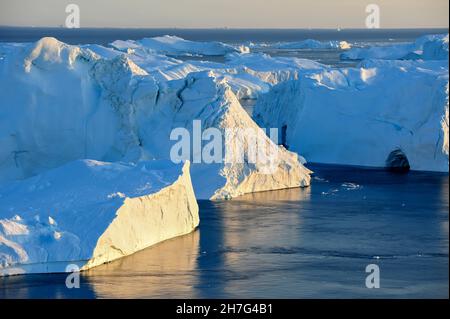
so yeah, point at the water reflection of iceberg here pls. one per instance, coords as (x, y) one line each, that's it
(289, 194)
(252, 228)
(166, 270)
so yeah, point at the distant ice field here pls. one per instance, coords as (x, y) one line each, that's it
(262, 38)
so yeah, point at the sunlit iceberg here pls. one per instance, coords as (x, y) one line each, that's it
(86, 213)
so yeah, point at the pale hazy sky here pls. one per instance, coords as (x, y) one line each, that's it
(227, 13)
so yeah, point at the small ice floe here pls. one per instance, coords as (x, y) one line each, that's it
(320, 179)
(351, 186)
(51, 221)
(146, 187)
(40, 186)
(117, 195)
(331, 192)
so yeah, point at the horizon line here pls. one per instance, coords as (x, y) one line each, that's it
(230, 28)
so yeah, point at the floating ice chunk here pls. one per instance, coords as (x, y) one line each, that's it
(93, 229)
(351, 186)
(51, 221)
(10, 227)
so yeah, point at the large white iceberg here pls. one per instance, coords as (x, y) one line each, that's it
(88, 213)
(365, 115)
(208, 99)
(247, 74)
(119, 106)
(76, 105)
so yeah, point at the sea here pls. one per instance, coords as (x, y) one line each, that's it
(314, 242)
(323, 241)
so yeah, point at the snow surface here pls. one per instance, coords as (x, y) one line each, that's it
(89, 212)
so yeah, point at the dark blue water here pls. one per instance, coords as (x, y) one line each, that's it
(298, 243)
(105, 36)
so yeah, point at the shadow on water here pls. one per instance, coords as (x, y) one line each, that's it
(295, 243)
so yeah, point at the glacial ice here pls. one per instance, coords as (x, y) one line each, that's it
(176, 46)
(76, 105)
(71, 115)
(308, 44)
(358, 116)
(313, 44)
(89, 212)
(429, 47)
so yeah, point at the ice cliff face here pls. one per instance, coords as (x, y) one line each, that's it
(210, 100)
(358, 116)
(89, 212)
(77, 105)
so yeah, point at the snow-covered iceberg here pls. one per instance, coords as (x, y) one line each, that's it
(76, 105)
(429, 47)
(209, 100)
(313, 44)
(248, 75)
(359, 116)
(177, 46)
(88, 213)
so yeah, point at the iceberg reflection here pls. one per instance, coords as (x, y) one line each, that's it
(161, 271)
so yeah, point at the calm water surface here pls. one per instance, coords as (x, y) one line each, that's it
(299, 243)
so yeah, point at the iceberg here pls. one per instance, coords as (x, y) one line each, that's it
(248, 75)
(429, 47)
(87, 213)
(359, 116)
(87, 166)
(209, 100)
(313, 44)
(77, 105)
(172, 45)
